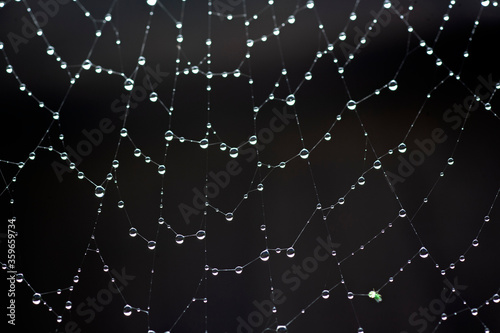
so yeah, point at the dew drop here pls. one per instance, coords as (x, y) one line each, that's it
(127, 310)
(351, 105)
(238, 269)
(308, 76)
(36, 298)
(290, 99)
(99, 191)
(304, 153)
(137, 152)
(233, 152)
(402, 148)
(328, 136)
(475, 242)
(264, 255)
(201, 234)
(87, 64)
(161, 169)
(169, 135)
(377, 164)
(129, 84)
(474, 311)
(393, 85)
(68, 305)
(496, 298)
(361, 180)
(204, 144)
(402, 213)
(290, 252)
(132, 232)
(153, 97)
(350, 295)
(423, 253)
(229, 216)
(325, 294)
(450, 161)
(151, 245)
(179, 239)
(252, 140)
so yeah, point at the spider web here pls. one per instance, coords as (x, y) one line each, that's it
(237, 166)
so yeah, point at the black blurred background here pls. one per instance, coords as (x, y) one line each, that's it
(56, 214)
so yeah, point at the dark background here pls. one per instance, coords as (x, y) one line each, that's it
(56, 216)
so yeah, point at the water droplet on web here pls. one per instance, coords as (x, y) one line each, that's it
(229, 216)
(308, 76)
(19, 277)
(129, 84)
(351, 105)
(32, 156)
(161, 169)
(132, 232)
(223, 146)
(342, 36)
(402, 148)
(423, 253)
(291, 19)
(233, 152)
(201, 234)
(325, 294)
(328, 136)
(68, 305)
(341, 201)
(496, 298)
(474, 311)
(252, 140)
(127, 310)
(353, 16)
(80, 175)
(105, 268)
(99, 191)
(264, 255)
(475, 242)
(153, 97)
(304, 153)
(450, 161)
(377, 164)
(402, 213)
(36, 298)
(282, 328)
(361, 180)
(87, 64)
(141, 61)
(485, 3)
(290, 99)
(393, 85)
(204, 143)
(360, 330)
(310, 4)
(179, 239)
(59, 319)
(121, 204)
(486, 218)
(115, 164)
(137, 152)
(76, 278)
(50, 50)
(238, 269)
(290, 252)
(180, 38)
(169, 135)
(350, 295)
(151, 245)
